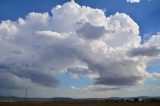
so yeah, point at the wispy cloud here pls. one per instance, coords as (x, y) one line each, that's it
(133, 1)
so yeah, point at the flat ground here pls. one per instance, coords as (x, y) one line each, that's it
(81, 104)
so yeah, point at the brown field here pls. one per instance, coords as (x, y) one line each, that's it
(81, 104)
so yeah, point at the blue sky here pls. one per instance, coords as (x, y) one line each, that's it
(59, 65)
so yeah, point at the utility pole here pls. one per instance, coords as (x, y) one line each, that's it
(26, 94)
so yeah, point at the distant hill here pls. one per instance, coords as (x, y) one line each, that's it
(13, 98)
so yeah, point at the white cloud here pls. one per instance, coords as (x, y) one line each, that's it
(133, 1)
(155, 76)
(82, 71)
(96, 88)
(154, 40)
(40, 47)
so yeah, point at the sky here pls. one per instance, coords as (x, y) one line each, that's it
(80, 49)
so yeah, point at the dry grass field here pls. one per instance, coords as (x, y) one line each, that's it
(81, 104)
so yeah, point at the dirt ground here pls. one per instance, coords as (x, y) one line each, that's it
(80, 104)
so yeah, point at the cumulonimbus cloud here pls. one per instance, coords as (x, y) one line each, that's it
(40, 47)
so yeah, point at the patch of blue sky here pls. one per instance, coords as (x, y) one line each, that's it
(66, 81)
(153, 68)
(152, 82)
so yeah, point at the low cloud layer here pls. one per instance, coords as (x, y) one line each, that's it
(75, 39)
